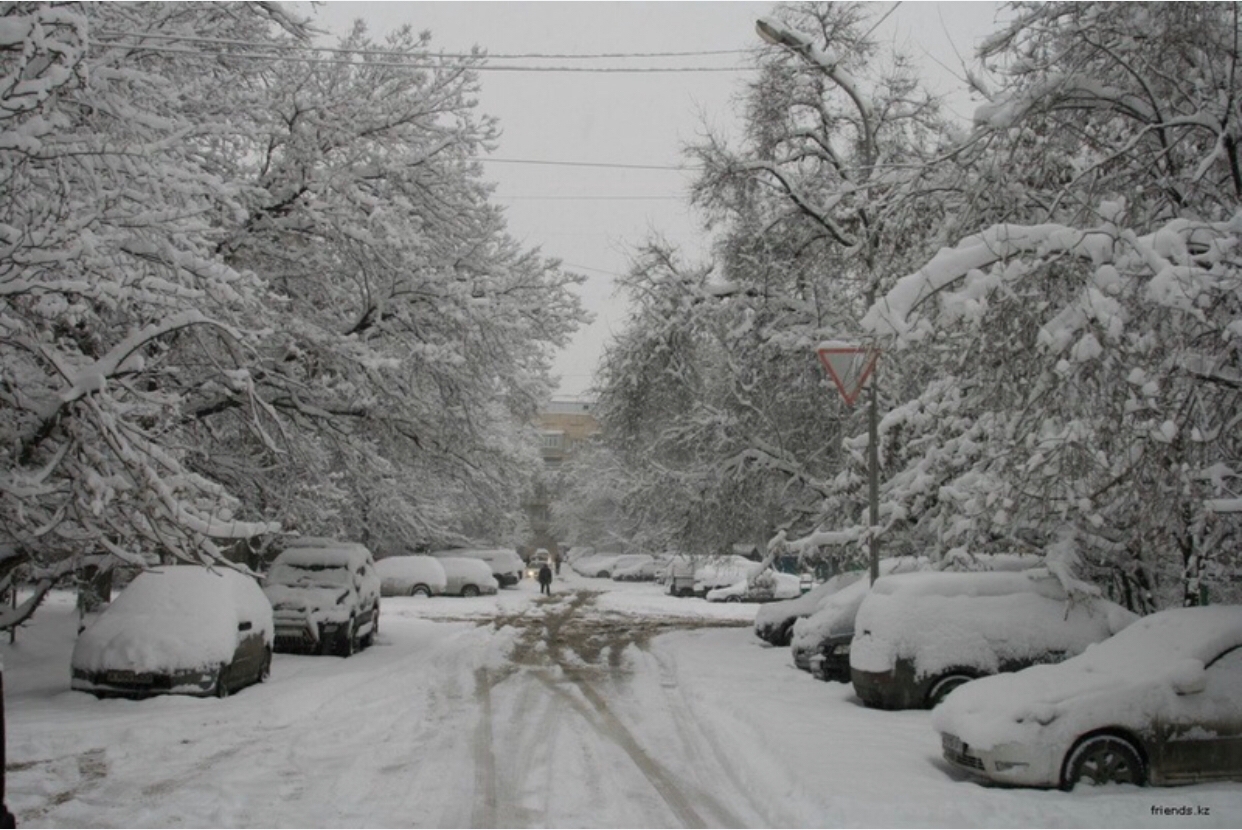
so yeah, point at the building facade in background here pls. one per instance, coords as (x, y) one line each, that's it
(565, 426)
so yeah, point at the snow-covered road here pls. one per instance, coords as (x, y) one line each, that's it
(606, 705)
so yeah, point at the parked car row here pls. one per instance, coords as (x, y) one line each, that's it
(190, 629)
(1031, 684)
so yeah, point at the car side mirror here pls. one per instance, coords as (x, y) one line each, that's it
(1189, 678)
(245, 626)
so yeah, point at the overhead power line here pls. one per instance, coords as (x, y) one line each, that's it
(421, 62)
(612, 165)
(107, 33)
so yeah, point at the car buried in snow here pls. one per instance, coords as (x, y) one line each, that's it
(411, 576)
(919, 636)
(467, 577)
(325, 597)
(762, 587)
(774, 622)
(177, 629)
(1158, 703)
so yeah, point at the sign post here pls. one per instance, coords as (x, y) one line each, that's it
(850, 365)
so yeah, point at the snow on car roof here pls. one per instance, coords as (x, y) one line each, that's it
(972, 584)
(174, 617)
(337, 555)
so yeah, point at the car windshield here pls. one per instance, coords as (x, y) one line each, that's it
(308, 576)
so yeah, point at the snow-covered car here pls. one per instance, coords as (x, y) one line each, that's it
(411, 576)
(505, 564)
(598, 565)
(763, 587)
(1159, 703)
(325, 597)
(723, 571)
(635, 567)
(467, 577)
(177, 629)
(820, 643)
(919, 636)
(774, 622)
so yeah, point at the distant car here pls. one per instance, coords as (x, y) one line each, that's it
(765, 587)
(820, 643)
(775, 621)
(467, 577)
(411, 576)
(634, 567)
(537, 560)
(721, 572)
(598, 565)
(505, 564)
(1159, 703)
(919, 636)
(325, 597)
(178, 629)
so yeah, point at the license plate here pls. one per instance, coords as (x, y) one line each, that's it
(952, 743)
(144, 678)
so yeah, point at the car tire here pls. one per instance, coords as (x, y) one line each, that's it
(602, 575)
(733, 598)
(942, 686)
(1104, 759)
(420, 590)
(784, 636)
(222, 683)
(469, 591)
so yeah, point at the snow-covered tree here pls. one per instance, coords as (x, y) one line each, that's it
(238, 293)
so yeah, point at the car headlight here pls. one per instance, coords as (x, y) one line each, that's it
(841, 649)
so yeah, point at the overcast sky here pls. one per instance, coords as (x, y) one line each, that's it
(591, 217)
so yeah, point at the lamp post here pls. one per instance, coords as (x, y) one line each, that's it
(772, 31)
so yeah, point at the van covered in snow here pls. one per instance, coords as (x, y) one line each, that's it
(506, 565)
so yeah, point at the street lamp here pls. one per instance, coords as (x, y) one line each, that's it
(849, 364)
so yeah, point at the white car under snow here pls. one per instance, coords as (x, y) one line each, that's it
(764, 587)
(178, 629)
(411, 576)
(1159, 703)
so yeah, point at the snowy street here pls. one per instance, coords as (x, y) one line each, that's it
(607, 705)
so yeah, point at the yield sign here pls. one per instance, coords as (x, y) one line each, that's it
(849, 364)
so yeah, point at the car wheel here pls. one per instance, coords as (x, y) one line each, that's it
(1104, 759)
(941, 688)
(733, 598)
(222, 683)
(469, 591)
(603, 575)
(785, 635)
(420, 591)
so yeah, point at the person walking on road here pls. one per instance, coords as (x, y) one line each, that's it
(545, 579)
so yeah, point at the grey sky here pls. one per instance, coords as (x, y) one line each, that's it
(591, 218)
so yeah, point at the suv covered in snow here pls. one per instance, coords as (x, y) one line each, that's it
(920, 636)
(325, 597)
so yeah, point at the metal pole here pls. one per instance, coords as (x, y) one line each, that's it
(873, 473)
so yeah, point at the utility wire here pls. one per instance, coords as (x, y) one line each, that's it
(413, 65)
(615, 166)
(391, 53)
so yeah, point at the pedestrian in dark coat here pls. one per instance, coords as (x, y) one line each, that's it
(545, 579)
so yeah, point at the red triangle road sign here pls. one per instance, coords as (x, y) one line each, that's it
(849, 365)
